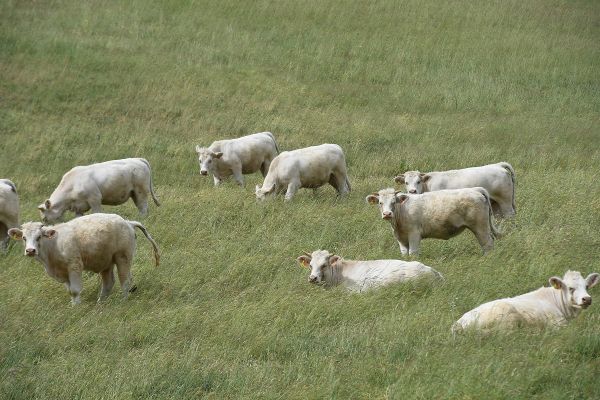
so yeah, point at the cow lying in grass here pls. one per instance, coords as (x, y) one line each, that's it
(333, 270)
(94, 242)
(546, 306)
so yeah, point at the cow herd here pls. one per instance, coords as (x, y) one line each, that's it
(436, 205)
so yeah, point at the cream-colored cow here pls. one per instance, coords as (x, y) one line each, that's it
(94, 242)
(333, 270)
(9, 210)
(546, 306)
(112, 183)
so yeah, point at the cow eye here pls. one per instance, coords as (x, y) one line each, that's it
(24, 238)
(418, 182)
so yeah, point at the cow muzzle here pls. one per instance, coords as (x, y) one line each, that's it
(203, 172)
(586, 302)
(30, 252)
(313, 279)
(412, 191)
(386, 215)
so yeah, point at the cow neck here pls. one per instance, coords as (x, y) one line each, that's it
(563, 304)
(48, 255)
(336, 273)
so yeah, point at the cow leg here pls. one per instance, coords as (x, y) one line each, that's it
(403, 248)
(506, 208)
(414, 240)
(264, 168)
(4, 238)
(140, 199)
(95, 206)
(124, 269)
(291, 190)
(237, 175)
(485, 239)
(340, 185)
(108, 281)
(75, 285)
(216, 180)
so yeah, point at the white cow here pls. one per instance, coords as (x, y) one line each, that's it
(498, 179)
(546, 306)
(9, 210)
(94, 242)
(237, 157)
(441, 215)
(309, 167)
(359, 276)
(112, 183)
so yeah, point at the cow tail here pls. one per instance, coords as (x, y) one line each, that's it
(142, 228)
(274, 141)
(511, 171)
(495, 232)
(348, 184)
(151, 183)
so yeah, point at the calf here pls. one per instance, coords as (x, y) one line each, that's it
(94, 242)
(546, 306)
(9, 211)
(310, 167)
(237, 157)
(112, 183)
(441, 215)
(498, 179)
(359, 276)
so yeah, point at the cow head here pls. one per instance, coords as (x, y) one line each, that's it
(574, 287)
(262, 192)
(32, 233)
(319, 263)
(50, 212)
(414, 181)
(387, 199)
(207, 159)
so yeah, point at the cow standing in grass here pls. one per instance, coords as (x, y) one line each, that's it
(440, 215)
(94, 242)
(88, 187)
(546, 306)
(498, 179)
(309, 167)
(333, 270)
(237, 157)
(9, 210)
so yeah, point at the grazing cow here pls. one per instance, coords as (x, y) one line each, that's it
(112, 183)
(498, 179)
(94, 242)
(310, 167)
(333, 270)
(238, 157)
(441, 215)
(9, 210)
(546, 306)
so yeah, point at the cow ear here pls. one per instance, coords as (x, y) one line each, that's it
(425, 177)
(49, 233)
(198, 149)
(372, 199)
(15, 234)
(47, 204)
(399, 179)
(556, 282)
(218, 154)
(42, 207)
(333, 259)
(401, 197)
(592, 279)
(304, 261)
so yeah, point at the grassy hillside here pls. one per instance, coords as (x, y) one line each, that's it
(229, 314)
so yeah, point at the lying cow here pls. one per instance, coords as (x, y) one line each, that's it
(94, 242)
(112, 183)
(440, 215)
(238, 157)
(498, 179)
(9, 210)
(333, 270)
(546, 306)
(310, 167)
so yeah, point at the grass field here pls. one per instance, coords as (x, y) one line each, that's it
(399, 85)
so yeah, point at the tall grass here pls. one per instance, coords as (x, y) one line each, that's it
(399, 85)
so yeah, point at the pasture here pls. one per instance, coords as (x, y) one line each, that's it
(399, 85)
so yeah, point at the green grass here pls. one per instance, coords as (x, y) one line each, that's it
(399, 85)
